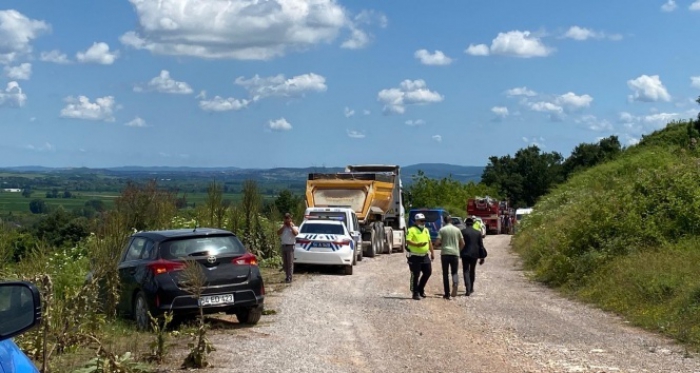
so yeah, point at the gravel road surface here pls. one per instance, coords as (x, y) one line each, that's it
(367, 322)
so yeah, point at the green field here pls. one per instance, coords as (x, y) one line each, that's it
(16, 204)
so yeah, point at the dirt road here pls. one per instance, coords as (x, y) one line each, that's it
(368, 323)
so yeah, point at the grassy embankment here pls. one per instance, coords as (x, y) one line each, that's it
(625, 235)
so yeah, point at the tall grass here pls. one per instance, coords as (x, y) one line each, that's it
(80, 284)
(624, 235)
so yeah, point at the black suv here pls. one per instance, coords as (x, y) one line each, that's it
(150, 273)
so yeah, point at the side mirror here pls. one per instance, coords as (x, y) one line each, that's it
(20, 308)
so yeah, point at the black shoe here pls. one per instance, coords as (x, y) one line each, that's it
(446, 296)
(422, 294)
(416, 296)
(288, 280)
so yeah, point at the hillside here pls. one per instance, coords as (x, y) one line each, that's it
(433, 170)
(625, 234)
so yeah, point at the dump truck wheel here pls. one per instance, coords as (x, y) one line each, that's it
(372, 250)
(389, 240)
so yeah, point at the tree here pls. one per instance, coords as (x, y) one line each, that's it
(96, 204)
(27, 192)
(38, 206)
(587, 155)
(526, 176)
(286, 202)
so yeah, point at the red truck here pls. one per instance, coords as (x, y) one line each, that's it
(489, 210)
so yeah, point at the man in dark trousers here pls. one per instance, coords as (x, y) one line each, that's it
(419, 245)
(472, 252)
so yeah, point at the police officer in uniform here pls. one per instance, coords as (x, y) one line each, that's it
(419, 244)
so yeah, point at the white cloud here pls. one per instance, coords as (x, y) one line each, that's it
(279, 125)
(538, 142)
(16, 34)
(81, 108)
(669, 6)
(55, 56)
(136, 122)
(355, 134)
(98, 53)
(219, 103)
(512, 44)
(47, 147)
(438, 58)
(20, 72)
(358, 39)
(243, 29)
(348, 113)
(582, 33)
(695, 81)
(165, 84)
(521, 91)
(478, 50)
(12, 96)
(695, 6)
(638, 124)
(573, 102)
(648, 89)
(415, 123)
(366, 112)
(500, 111)
(594, 123)
(409, 92)
(280, 86)
(556, 112)
(437, 138)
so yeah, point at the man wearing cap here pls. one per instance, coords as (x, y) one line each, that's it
(288, 233)
(419, 244)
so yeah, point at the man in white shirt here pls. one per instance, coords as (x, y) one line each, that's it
(288, 233)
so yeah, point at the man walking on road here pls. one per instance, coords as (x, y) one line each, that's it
(450, 241)
(288, 233)
(473, 250)
(418, 242)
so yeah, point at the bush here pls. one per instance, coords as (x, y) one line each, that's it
(623, 234)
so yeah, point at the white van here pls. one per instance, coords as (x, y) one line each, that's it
(344, 214)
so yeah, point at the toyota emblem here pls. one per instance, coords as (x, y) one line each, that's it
(211, 259)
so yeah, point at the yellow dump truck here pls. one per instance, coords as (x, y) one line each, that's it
(374, 192)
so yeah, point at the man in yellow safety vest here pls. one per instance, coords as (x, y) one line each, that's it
(419, 244)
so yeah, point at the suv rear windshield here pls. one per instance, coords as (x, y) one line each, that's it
(430, 216)
(456, 221)
(201, 246)
(322, 228)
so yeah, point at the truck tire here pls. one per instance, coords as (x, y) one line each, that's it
(389, 242)
(372, 249)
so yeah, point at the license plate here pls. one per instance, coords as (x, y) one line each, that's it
(213, 300)
(321, 244)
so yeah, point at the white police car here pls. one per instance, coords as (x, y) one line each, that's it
(325, 241)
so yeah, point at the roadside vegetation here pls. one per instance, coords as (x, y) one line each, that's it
(80, 331)
(625, 234)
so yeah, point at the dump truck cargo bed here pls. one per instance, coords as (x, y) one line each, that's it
(364, 192)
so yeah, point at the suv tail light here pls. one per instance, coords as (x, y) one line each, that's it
(343, 242)
(246, 259)
(164, 266)
(302, 241)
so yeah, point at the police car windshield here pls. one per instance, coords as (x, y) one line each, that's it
(319, 228)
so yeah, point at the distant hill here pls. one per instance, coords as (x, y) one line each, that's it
(297, 174)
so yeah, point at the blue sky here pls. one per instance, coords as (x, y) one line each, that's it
(324, 82)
